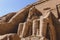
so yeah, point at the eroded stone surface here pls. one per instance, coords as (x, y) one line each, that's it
(39, 21)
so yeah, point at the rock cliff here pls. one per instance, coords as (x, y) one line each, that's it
(38, 21)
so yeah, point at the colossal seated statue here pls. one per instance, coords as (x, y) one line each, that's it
(39, 21)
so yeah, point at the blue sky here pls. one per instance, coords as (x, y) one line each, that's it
(7, 6)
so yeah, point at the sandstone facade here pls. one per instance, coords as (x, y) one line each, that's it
(38, 21)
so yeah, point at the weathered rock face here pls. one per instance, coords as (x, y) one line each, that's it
(7, 17)
(38, 21)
